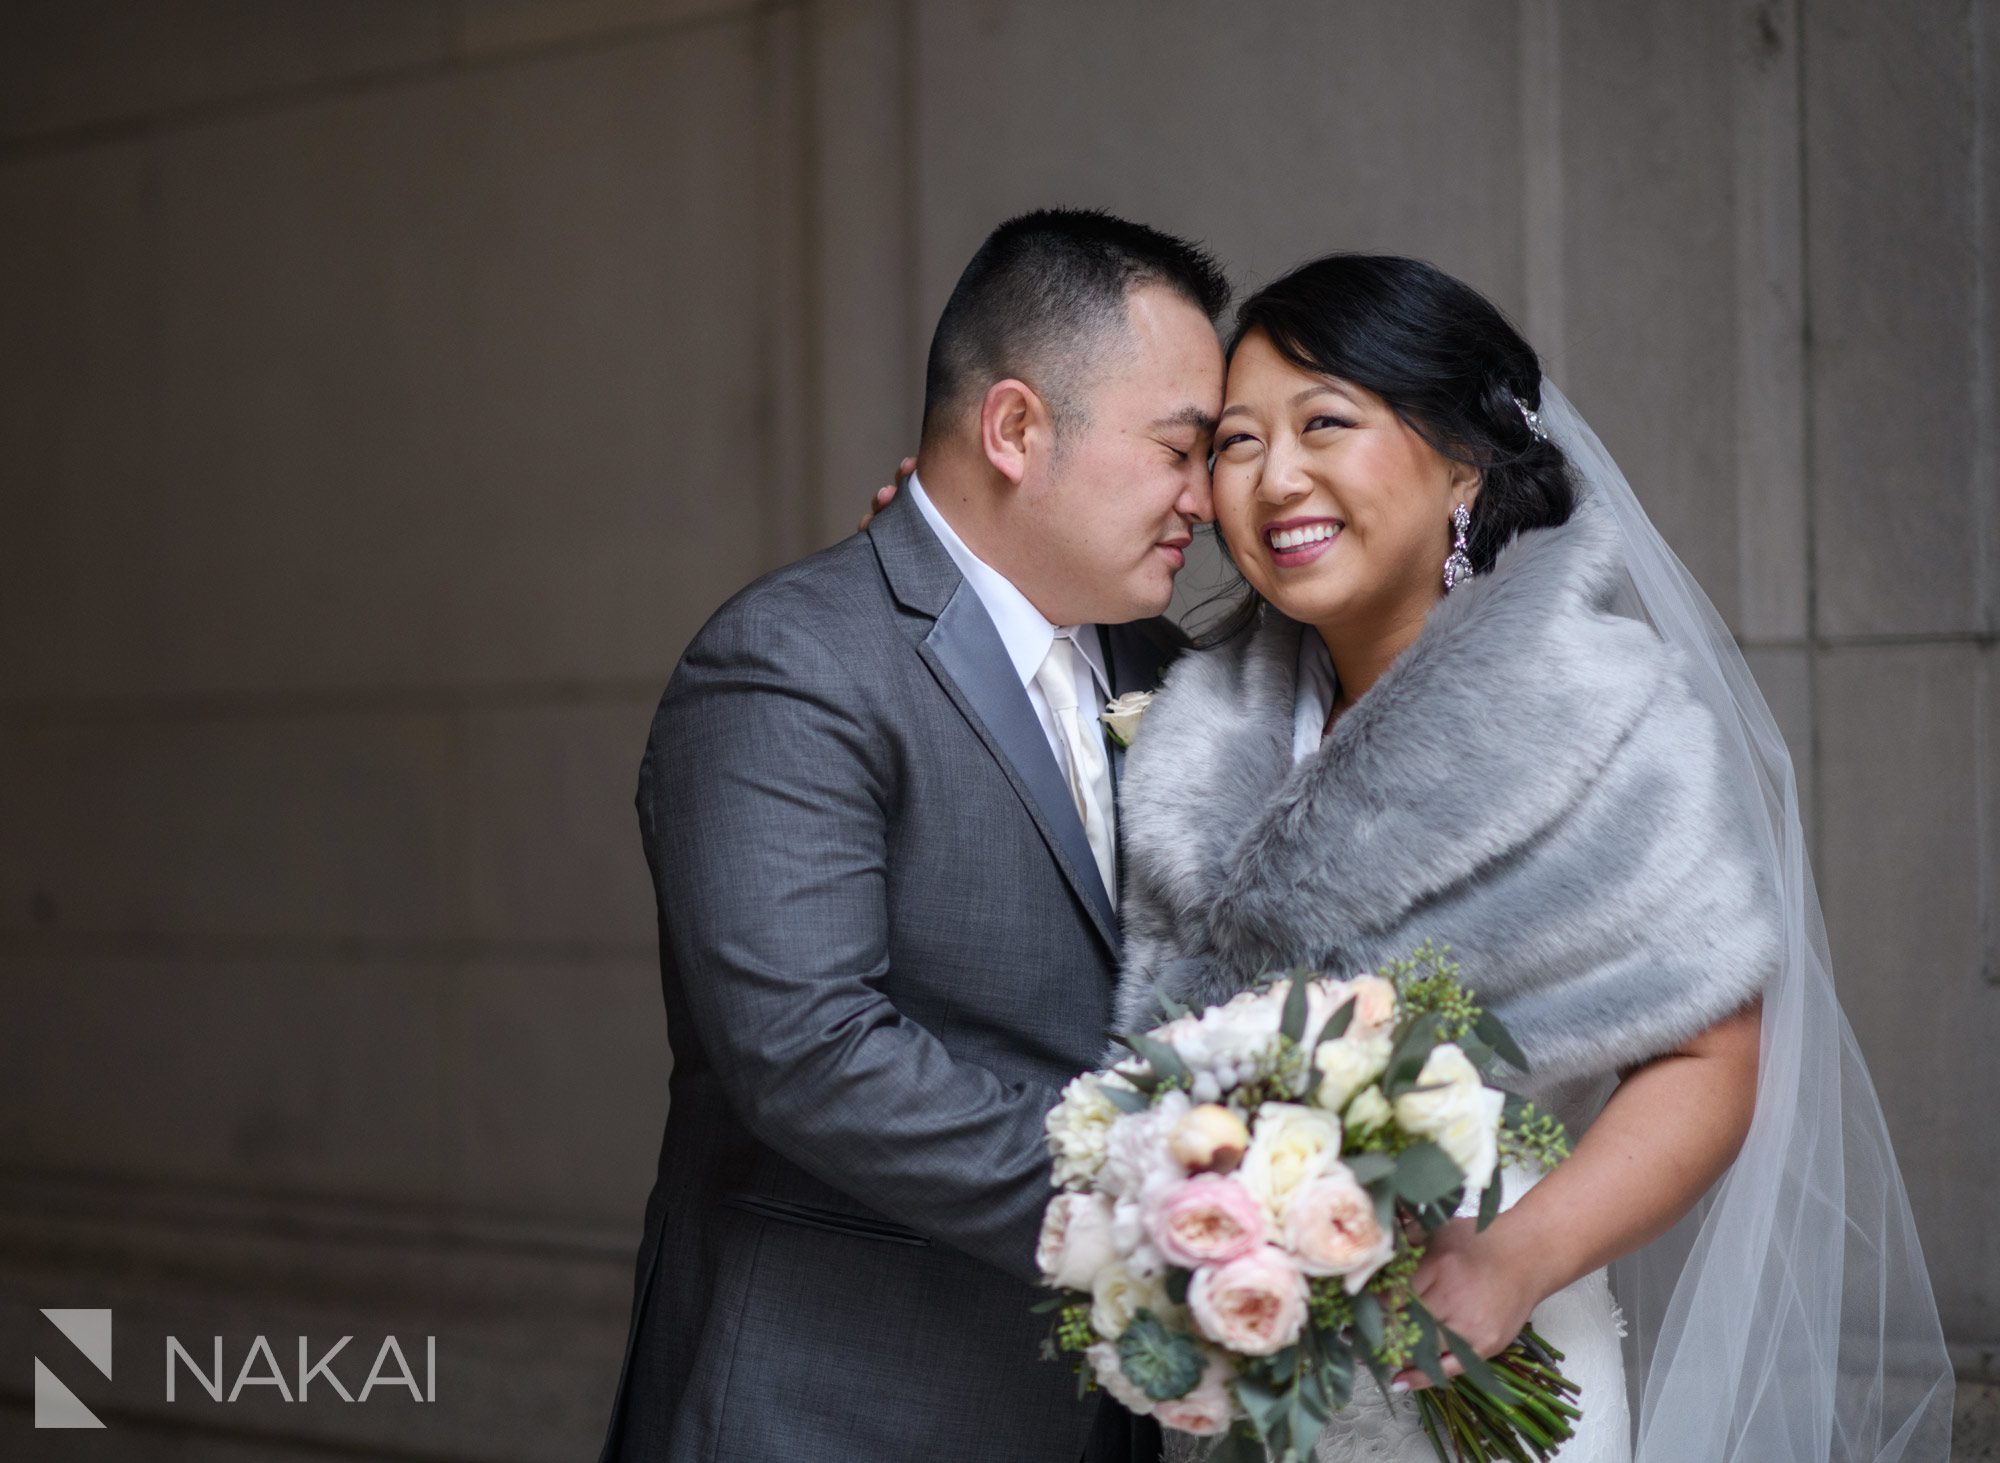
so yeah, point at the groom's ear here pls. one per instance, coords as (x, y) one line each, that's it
(1013, 420)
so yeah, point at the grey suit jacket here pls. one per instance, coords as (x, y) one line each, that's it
(884, 947)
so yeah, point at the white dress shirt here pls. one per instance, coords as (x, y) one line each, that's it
(1023, 630)
(1313, 700)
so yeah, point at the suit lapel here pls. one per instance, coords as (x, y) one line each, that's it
(964, 652)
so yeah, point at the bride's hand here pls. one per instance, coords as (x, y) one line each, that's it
(887, 491)
(1481, 1285)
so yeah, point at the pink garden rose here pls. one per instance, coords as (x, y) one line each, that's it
(1254, 1304)
(1205, 1220)
(1332, 1229)
(1206, 1410)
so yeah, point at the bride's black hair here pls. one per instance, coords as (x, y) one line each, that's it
(1446, 360)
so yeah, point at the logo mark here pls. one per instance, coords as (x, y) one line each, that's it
(89, 1332)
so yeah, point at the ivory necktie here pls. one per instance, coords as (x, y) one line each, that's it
(1083, 759)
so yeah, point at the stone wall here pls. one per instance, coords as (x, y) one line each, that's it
(388, 389)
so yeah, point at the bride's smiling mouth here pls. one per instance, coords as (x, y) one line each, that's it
(1292, 542)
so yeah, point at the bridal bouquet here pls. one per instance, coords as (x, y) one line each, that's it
(1242, 1204)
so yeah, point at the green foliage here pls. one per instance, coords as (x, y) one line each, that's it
(1428, 984)
(1073, 1329)
(1328, 1304)
(1529, 1134)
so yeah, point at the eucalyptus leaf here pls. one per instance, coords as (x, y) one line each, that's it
(1172, 1007)
(1125, 1099)
(1337, 1024)
(1407, 1057)
(1166, 1061)
(1368, 1167)
(1493, 1031)
(1425, 1173)
(1293, 1023)
(1477, 1372)
(1427, 1356)
(1368, 1319)
(1489, 1202)
(1478, 1053)
(1262, 1401)
(1336, 1378)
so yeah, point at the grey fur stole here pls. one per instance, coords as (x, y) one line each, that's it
(1534, 782)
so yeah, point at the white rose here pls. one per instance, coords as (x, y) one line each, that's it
(1121, 717)
(1117, 1295)
(1289, 1144)
(1452, 1107)
(1075, 1242)
(1368, 1110)
(1078, 1127)
(1349, 1063)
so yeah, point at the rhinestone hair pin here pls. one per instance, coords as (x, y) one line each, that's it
(1532, 418)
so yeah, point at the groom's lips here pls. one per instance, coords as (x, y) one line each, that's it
(1176, 549)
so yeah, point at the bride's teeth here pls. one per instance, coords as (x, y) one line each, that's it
(1292, 538)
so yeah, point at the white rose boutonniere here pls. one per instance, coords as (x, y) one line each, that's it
(1121, 717)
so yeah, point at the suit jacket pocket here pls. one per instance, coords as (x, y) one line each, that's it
(790, 1212)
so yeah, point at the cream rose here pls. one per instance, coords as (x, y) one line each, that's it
(1122, 716)
(1454, 1108)
(1255, 1304)
(1368, 1110)
(1332, 1229)
(1349, 1063)
(1290, 1143)
(1078, 1127)
(1117, 1295)
(1076, 1240)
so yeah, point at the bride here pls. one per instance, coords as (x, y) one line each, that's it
(1472, 697)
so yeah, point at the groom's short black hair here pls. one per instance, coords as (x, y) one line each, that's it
(1042, 294)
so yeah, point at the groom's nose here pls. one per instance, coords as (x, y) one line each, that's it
(1197, 501)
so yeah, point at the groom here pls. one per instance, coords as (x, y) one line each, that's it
(879, 810)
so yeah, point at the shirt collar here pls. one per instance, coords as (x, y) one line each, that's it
(1024, 631)
(1314, 698)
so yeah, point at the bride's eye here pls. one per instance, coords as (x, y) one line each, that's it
(1323, 421)
(1228, 442)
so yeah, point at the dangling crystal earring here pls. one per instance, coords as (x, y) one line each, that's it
(1458, 566)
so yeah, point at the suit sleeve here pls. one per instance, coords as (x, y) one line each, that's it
(764, 805)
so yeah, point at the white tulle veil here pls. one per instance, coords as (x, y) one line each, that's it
(1788, 1316)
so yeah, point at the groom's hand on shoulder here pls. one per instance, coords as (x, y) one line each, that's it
(887, 492)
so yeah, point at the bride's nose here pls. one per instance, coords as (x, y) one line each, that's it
(1284, 478)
